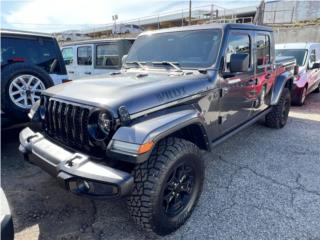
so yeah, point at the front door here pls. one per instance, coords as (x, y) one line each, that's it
(313, 74)
(236, 98)
(69, 60)
(84, 61)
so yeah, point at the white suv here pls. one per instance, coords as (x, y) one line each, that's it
(92, 57)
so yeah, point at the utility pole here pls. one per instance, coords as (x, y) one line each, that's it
(189, 12)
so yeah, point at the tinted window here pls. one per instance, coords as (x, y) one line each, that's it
(189, 49)
(263, 50)
(67, 54)
(298, 54)
(107, 55)
(237, 43)
(84, 55)
(40, 51)
(313, 56)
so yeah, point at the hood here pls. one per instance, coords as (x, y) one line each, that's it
(136, 91)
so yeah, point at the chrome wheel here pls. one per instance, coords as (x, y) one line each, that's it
(25, 90)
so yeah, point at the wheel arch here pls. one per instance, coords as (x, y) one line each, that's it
(284, 80)
(187, 124)
(193, 131)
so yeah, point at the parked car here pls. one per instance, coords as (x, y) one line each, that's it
(93, 57)
(30, 63)
(7, 232)
(139, 133)
(71, 36)
(126, 28)
(308, 60)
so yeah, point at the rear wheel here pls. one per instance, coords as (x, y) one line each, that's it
(167, 186)
(278, 116)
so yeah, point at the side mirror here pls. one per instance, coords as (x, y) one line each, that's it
(315, 66)
(239, 62)
(124, 58)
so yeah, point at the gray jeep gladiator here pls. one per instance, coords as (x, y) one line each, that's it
(141, 132)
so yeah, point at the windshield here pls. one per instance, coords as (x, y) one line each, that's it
(188, 49)
(298, 54)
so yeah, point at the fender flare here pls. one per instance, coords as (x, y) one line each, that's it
(156, 128)
(279, 85)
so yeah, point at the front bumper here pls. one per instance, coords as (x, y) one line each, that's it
(75, 171)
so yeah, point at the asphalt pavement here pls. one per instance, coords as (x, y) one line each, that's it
(260, 184)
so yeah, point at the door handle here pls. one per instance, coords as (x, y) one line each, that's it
(253, 82)
(224, 91)
(268, 76)
(71, 71)
(87, 73)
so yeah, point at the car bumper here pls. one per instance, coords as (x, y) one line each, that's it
(76, 172)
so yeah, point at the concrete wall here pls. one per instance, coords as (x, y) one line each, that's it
(297, 34)
(290, 11)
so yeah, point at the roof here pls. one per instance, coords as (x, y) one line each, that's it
(299, 45)
(224, 26)
(27, 33)
(90, 41)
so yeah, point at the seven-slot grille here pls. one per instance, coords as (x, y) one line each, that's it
(66, 122)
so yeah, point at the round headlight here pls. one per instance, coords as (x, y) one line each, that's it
(104, 123)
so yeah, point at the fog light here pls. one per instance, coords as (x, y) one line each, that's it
(83, 186)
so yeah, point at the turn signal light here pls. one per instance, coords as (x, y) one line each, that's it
(146, 147)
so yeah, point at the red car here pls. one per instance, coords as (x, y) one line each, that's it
(308, 60)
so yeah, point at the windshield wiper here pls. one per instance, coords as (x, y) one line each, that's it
(140, 64)
(172, 64)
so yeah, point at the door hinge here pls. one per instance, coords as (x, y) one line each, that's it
(223, 91)
(222, 119)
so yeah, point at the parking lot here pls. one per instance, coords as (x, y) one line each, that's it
(260, 184)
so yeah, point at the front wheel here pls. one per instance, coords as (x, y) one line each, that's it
(278, 116)
(167, 186)
(302, 97)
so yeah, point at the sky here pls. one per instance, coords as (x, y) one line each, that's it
(59, 15)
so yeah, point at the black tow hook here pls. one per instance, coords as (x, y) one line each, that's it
(25, 154)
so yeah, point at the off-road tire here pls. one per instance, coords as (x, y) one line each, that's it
(7, 75)
(150, 181)
(278, 116)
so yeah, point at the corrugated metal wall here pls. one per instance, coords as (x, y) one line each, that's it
(290, 11)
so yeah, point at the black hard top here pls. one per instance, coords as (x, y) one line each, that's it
(24, 33)
(93, 41)
(224, 26)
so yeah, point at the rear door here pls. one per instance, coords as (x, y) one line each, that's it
(264, 70)
(84, 66)
(313, 74)
(236, 100)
